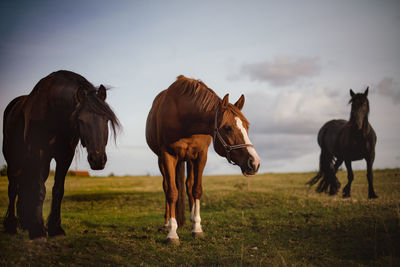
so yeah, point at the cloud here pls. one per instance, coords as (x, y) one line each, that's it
(390, 88)
(282, 70)
(284, 146)
(293, 112)
(284, 126)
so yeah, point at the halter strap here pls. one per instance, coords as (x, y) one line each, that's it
(228, 148)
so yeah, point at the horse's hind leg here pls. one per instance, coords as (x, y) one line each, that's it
(168, 163)
(338, 162)
(326, 176)
(371, 191)
(189, 187)
(199, 165)
(165, 188)
(350, 177)
(54, 220)
(10, 221)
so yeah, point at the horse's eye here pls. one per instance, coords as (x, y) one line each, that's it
(227, 128)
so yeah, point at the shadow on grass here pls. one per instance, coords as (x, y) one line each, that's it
(134, 196)
(353, 240)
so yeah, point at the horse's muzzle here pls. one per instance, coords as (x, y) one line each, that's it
(251, 167)
(97, 160)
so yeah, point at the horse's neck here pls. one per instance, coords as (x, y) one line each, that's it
(199, 120)
(365, 127)
(202, 122)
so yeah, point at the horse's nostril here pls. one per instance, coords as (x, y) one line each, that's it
(250, 163)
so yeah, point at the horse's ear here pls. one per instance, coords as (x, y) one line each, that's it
(352, 93)
(102, 92)
(225, 102)
(240, 103)
(366, 91)
(80, 95)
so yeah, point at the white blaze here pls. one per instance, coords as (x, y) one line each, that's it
(246, 138)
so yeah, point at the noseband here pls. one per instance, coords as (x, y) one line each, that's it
(228, 148)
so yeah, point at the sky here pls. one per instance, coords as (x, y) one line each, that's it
(294, 61)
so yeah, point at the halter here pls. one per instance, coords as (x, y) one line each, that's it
(228, 148)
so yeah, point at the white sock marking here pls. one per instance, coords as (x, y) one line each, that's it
(196, 227)
(192, 213)
(172, 226)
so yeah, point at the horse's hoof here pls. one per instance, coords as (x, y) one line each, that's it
(345, 195)
(56, 233)
(59, 236)
(10, 229)
(372, 196)
(173, 241)
(39, 240)
(197, 235)
(10, 225)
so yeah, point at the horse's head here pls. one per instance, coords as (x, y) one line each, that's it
(359, 108)
(231, 138)
(92, 123)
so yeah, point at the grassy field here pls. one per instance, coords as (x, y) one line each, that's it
(278, 222)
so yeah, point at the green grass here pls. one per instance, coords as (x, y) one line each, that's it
(278, 222)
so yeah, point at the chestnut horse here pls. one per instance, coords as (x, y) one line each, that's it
(62, 109)
(180, 126)
(347, 141)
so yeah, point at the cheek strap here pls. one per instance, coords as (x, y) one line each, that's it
(228, 148)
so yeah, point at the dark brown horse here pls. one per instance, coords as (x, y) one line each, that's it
(346, 141)
(62, 109)
(180, 126)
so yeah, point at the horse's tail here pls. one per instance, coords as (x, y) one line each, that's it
(326, 176)
(180, 182)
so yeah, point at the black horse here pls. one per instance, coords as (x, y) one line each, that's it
(347, 141)
(62, 109)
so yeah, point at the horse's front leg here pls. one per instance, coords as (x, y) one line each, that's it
(370, 161)
(199, 165)
(34, 191)
(54, 219)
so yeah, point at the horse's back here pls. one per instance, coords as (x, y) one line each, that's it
(55, 91)
(50, 104)
(13, 128)
(153, 123)
(13, 113)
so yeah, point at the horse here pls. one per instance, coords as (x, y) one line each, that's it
(47, 124)
(180, 126)
(347, 141)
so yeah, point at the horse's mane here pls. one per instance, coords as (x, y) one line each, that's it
(96, 105)
(204, 98)
(67, 83)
